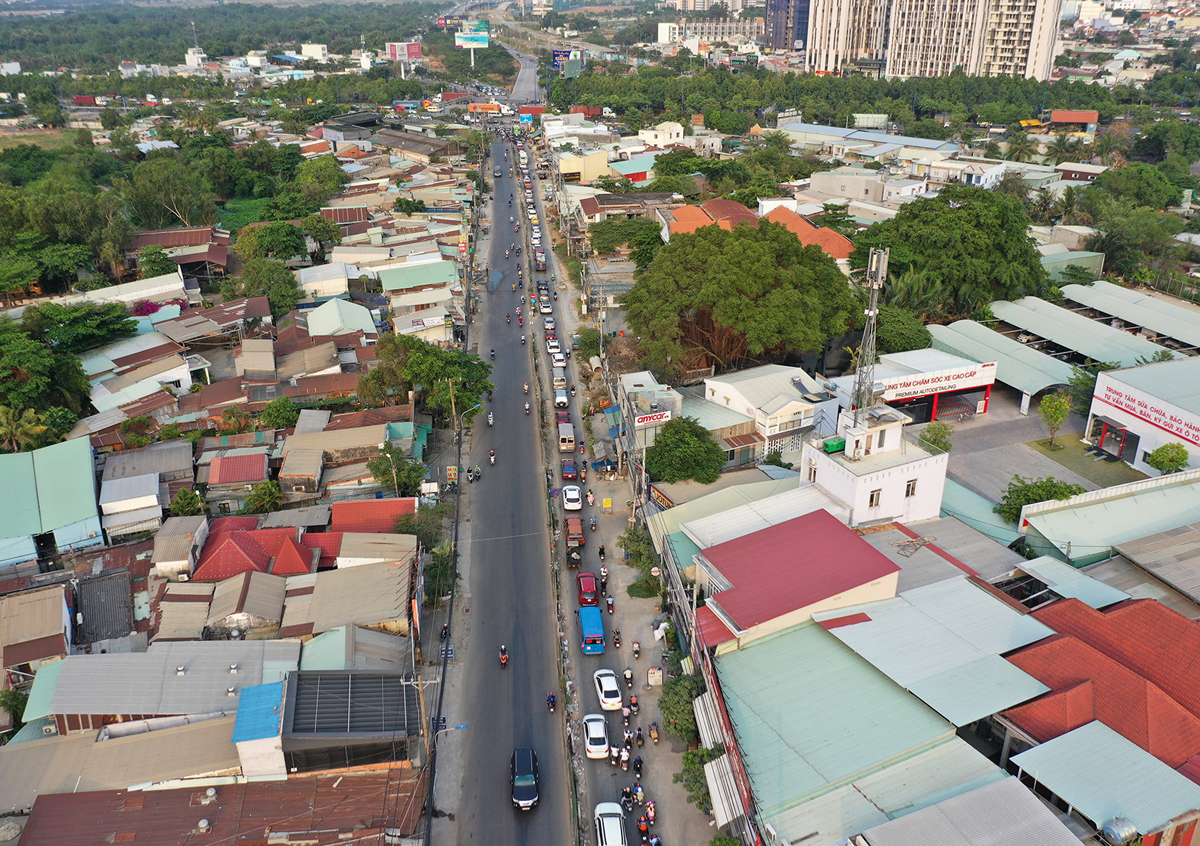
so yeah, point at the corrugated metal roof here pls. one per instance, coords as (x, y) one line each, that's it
(1159, 316)
(760, 385)
(1124, 575)
(809, 713)
(337, 317)
(756, 516)
(943, 642)
(946, 770)
(355, 648)
(19, 513)
(1073, 331)
(367, 595)
(33, 614)
(1017, 365)
(66, 483)
(259, 713)
(1002, 813)
(430, 273)
(77, 763)
(1069, 582)
(106, 603)
(166, 457)
(789, 566)
(1172, 556)
(1175, 382)
(147, 683)
(1104, 776)
(352, 704)
(45, 680)
(1092, 528)
(667, 522)
(253, 593)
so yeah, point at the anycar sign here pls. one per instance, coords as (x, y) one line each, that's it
(651, 419)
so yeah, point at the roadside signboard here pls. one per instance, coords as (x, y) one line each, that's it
(401, 51)
(477, 26)
(560, 58)
(471, 40)
(525, 119)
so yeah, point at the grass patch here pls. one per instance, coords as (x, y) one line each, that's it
(47, 139)
(1070, 454)
(1051, 447)
(237, 213)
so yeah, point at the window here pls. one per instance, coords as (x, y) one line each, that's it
(882, 436)
(812, 474)
(910, 488)
(873, 500)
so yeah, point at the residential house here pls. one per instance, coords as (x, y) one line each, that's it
(836, 245)
(787, 404)
(232, 478)
(340, 317)
(667, 132)
(178, 544)
(131, 506)
(201, 251)
(36, 628)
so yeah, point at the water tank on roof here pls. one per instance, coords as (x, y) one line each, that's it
(1118, 831)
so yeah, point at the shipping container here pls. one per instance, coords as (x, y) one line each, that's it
(587, 111)
(531, 110)
(83, 100)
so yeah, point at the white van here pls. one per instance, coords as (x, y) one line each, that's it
(560, 379)
(566, 437)
(560, 399)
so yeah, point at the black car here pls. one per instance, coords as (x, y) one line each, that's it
(524, 777)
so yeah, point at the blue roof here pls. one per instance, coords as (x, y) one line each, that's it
(1103, 776)
(817, 128)
(260, 712)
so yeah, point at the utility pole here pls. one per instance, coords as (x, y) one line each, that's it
(864, 375)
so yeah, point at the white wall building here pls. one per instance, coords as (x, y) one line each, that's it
(1136, 410)
(785, 402)
(668, 33)
(881, 473)
(667, 132)
(320, 52)
(195, 58)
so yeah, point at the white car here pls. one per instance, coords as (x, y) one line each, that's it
(550, 324)
(608, 690)
(553, 346)
(536, 240)
(545, 308)
(595, 735)
(610, 825)
(558, 359)
(572, 498)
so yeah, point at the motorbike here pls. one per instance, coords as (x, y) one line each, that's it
(491, 456)
(625, 760)
(522, 340)
(493, 355)
(478, 473)
(550, 702)
(650, 814)
(526, 408)
(633, 704)
(616, 638)
(629, 681)
(641, 738)
(490, 419)
(654, 732)
(639, 795)
(608, 600)
(526, 387)
(506, 253)
(605, 569)
(591, 498)
(445, 630)
(556, 295)
(625, 716)
(637, 766)
(593, 523)
(520, 321)
(572, 390)
(637, 650)
(489, 396)
(503, 656)
(615, 756)
(627, 799)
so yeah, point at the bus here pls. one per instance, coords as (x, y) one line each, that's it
(524, 158)
(591, 626)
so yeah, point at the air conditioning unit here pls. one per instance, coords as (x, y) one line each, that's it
(183, 577)
(812, 461)
(857, 454)
(248, 487)
(49, 730)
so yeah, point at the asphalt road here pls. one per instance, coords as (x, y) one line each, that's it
(511, 588)
(526, 88)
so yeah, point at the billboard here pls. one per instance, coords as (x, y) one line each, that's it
(643, 420)
(938, 381)
(477, 26)
(525, 119)
(573, 68)
(451, 23)
(560, 58)
(402, 51)
(471, 40)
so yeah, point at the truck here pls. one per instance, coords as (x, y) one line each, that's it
(587, 111)
(539, 259)
(447, 96)
(488, 108)
(531, 110)
(406, 105)
(574, 524)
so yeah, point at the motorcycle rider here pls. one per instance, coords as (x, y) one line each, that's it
(503, 654)
(550, 701)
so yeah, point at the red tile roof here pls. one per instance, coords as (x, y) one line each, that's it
(792, 565)
(688, 219)
(833, 243)
(232, 554)
(330, 544)
(729, 213)
(234, 523)
(238, 469)
(371, 417)
(370, 515)
(1160, 645)
(1088, 685)
(293, 560)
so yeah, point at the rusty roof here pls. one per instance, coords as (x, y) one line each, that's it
(182, 237)
(346, 214)
(317, 810)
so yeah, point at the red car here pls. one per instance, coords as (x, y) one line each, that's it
(568, 470)
(561, 416)
(589, 591)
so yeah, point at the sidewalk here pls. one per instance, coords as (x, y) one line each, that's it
(678, 821)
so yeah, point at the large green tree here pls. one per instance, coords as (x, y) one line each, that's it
(278, 240)
(164, 191)
(396, 472)
(75, 328)
(34, 376)
(721, 297)
(280, 413)
(154, 261)
(683, 449)
(1137, 183)
(972, 243)
(1021, 492)
(263, 277)
(445, 381)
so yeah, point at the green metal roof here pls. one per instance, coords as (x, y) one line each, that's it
(811, 716)
(45, 682)
(1089, 529)
(682, 548)
(1097, 341)
(666, 522)
(19, 515)
(712, 416)
(1017, 365)
(1069, 582)
(1103, 776)
(66, 483)
(326, 651)
(1159, 316)
(419, 275)
(976, 511)
(337, 316)
(1175, 382)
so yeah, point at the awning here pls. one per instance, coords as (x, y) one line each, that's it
(727, 803)
(707, 719)
(1110, 423)
(740, 441)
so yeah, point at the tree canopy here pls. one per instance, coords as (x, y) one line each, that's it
(396, 472)
(722, 297)
(966, 247)
(264, 277)
(436, 374)
(1021, 492)
(683, 449)
(75, 328)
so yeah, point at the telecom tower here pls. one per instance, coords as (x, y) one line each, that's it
(864, 376)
